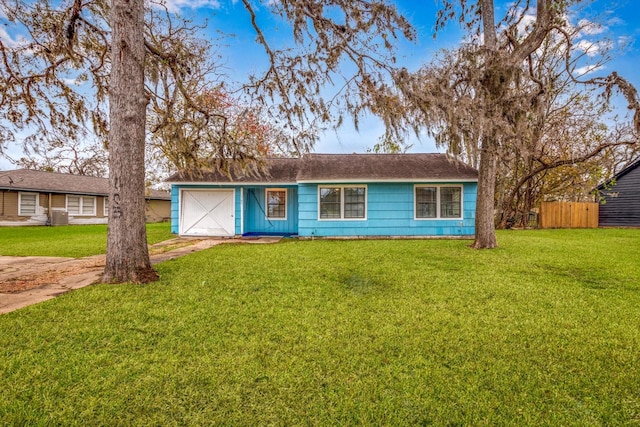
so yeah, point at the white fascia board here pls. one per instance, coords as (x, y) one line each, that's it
(400, 180)
(44, 191)
(230, 184)
(322, 181)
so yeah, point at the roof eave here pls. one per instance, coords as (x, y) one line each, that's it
(80, 193)
(322, 181)
(381, 180)
(232, 183)
(45, 190)
(619, 175)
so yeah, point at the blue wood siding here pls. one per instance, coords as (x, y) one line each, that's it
(255, 218)
(252, 201)
(174, 209)
(390, 212)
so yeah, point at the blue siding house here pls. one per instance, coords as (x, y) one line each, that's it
(331, 195)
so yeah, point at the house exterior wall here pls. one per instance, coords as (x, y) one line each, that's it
(390, 212)
(155, 210)
(9, 205)
(59, 201)
(10, 210)
(100, 207)
(175, 208)
(43, 201)
(255, 218)
(622, 202)
(249, 208)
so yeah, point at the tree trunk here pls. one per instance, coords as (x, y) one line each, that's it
(485, 202)
(127, 253)
(485, 221)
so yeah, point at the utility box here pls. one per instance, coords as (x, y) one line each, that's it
(59, 218)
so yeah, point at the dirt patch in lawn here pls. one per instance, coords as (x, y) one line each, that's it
(53, 274)
(63, 272)
(172, 245)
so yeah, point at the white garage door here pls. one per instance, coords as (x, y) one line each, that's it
(207, 213)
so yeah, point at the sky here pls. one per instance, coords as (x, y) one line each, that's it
(620, 19)
(241, 55)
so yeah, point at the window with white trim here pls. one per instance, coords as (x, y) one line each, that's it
(438, 202)
(81, 205)
(344, 202)
(276, 200)
(105, 206)
(27, 204)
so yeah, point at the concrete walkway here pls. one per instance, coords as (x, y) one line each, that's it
(92, 268)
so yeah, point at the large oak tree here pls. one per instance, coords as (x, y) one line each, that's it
(127, 253)
(103, 42)
(480, 98)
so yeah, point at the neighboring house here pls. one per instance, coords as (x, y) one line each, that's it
(621, 207)
(29, 197)
(330, 195)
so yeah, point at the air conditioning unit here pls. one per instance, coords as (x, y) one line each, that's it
(59, 218)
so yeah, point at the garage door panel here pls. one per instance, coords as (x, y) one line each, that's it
(207, 213)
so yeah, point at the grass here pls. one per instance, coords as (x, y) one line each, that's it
(542, 331)
(73, 241)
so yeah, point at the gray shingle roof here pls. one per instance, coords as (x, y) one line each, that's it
(278, 170)
(332, 167)
(53, 182)
(348, 167)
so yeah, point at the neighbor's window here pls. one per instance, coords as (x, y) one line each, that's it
(105, 206)
(343, 202)
(81, 205)
(438, 202)
(276, 203)
(27, 203)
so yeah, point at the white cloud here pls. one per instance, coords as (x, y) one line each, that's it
(590, 48)
(10, 41)
(590, 28)
(72, 82)
(177, 5)
(625, 41)
(587, 69)
(526, 23)
(616, 21)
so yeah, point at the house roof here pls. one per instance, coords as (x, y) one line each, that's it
(347, 168)
(53, 182)
(620, 174)
(412, 167)
(277, 170)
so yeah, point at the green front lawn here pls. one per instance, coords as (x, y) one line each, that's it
(73, 241)
(543, 331)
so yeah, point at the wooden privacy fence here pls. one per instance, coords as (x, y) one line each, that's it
(568, 215)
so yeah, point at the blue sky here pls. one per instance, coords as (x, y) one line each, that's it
(620, 25)
(241, 55)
